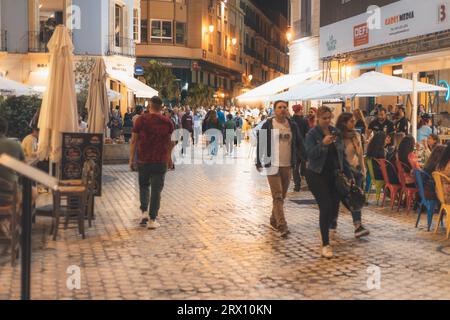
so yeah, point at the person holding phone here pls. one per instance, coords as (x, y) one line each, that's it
(326, 157)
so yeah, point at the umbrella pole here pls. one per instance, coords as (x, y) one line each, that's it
(415, 107)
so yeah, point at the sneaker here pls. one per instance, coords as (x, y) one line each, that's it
(284, 232)
(153, 224)
(361, 232)
(144, 219)
(327, 252)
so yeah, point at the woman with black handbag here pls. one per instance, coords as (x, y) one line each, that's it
(355, 157)
(326, 161)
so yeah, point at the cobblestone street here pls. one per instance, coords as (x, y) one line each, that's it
(215, 243)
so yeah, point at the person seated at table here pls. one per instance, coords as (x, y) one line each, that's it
(381, 123)
(444, 168)
(30, 144)
(424, 129)
(409, 159)
(8, 178)
(376, 150)
(429, 144)
(431, 166)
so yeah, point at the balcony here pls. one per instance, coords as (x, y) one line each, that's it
(3, 40)
(121, 46)
(38, 40)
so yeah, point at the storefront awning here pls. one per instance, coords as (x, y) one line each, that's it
(140, 89)
(427, 62)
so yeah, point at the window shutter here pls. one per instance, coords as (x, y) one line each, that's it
(112, 22)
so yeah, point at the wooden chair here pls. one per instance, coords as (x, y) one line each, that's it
(77, 195)
(394, 189)
(9, 210)
(445, 207)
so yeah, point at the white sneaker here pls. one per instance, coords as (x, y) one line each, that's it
(153, 224)
(327, 252)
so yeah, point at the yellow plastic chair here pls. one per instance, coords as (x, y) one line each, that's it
(438, 178)
(379, 184)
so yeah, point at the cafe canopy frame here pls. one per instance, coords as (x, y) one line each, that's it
(277, 85)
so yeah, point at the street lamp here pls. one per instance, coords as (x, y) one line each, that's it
(289, 35)
(233, 41)
(211, 28)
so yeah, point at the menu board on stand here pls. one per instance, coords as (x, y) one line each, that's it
(76, 149)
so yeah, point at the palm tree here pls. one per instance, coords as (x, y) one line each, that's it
(162, 79)
(200, 95)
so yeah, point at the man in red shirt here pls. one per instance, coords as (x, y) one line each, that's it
(152, 136)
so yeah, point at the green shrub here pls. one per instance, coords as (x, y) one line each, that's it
(19, 111)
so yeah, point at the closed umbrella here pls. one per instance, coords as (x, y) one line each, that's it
(59, 104)
(97, 101)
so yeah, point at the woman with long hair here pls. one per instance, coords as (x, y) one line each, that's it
(354, 154)
(376, 150)
(408, 158)
(326, 157)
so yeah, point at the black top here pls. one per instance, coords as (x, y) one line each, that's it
(386, 126)
(360, 126)
(331, 162)
(302, 125)
(401, 125)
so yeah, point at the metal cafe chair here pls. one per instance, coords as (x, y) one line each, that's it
(427, 199)
(445, 207)
(409, 192)
(379, 184)
(394, 189)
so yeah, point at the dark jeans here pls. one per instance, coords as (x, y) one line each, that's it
(323, 188)
(299, 171)
(151, 175)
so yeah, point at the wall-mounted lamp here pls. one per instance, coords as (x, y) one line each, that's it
(211, 28)
(233, 41)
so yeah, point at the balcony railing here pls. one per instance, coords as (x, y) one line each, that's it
(3, 40)
(38, 40)
(121, 46)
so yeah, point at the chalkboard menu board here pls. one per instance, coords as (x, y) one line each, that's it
(76, 149)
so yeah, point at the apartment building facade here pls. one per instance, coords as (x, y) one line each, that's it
(265, 44)
(217, 43)
(394, 37)
(105, 28)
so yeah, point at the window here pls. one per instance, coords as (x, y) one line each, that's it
(118, 26)
(161, 31)
(136, 25)
(144, 31)
(219, 43)
(180, 33)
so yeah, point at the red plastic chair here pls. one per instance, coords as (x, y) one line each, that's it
(409, 192)
(394, 189)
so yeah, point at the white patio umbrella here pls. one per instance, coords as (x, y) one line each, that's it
(276, 86)
(59, 105)
(97, 101)
(374, 84)
(302, 91)
(13, 88)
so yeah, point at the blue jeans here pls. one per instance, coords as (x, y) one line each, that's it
(151, 175)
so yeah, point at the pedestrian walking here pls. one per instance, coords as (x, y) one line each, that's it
(152, 138)
(213, 130)
(354, 154)
(326, 155)
(303, 126)
(279, 161)
(230, 133)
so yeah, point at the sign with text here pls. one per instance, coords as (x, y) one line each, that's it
(394, 22)
(76, 149)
